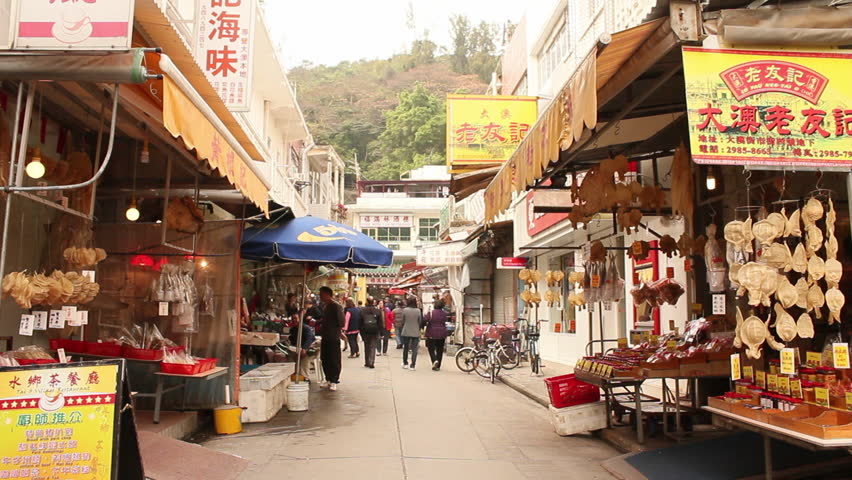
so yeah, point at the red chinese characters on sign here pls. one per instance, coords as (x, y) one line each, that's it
(777, 119)
(764, 76)
(224, 40)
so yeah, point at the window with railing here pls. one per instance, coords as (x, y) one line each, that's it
(388, 234)
(556, 52)
(428, 229)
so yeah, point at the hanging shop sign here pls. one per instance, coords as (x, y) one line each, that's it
(224, 48)
(67, 25)
(485, 130)
(539, 222)
(338, 280)
(382, 220)
(769, 108)
(441, 255)
(511, 263)
(60, 421)
(386, 281)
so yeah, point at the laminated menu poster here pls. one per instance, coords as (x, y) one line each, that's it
(60, 421)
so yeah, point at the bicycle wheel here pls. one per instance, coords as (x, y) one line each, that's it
(534, 360)
(482, 365)
(509, 357)
(465, 359)
(495, 369)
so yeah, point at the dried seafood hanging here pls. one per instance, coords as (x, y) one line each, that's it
(812, 212)
(786, 293)
(813, 240)
(802, 293)
(683, 183)
(805, 326)
(835, 300)
(760, 281)
(668, 246)
(816, 268)
(754, 332)
(785, 325)
(629, 220)
(800, 260)
(816, 300)
(639, 250)
(792, 227)
(777, 255)
(833, 272)
(84, 257)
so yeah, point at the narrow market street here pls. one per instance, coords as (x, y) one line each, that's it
(391, 423)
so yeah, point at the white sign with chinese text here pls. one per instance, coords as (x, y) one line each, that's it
(224, 45)
(74, 25)
(441, 255)
(382, 220)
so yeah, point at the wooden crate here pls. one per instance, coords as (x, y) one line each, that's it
(831, 424)
(719, 403)
(788, 419)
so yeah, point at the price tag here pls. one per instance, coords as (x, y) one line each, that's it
(164, 309)
(637, 249)
(62, 357)
(772, 382)
(26, 327)
(748, 373)
(783, 385)
(849, 401)
(596, 281)
(71, 319)
(672, 325)
(736, 371)
(90, 274)
(841, 355)
(760, 378)
(671, 345)
(622, 343)
(687, 265)
(608, 372)
(821, 396)
(813, 359)
(607, 306)
(654, 340)
(581, 364)
(796, 388)
(719, 304)
(788, 361)
(40, 321)
(84, 317)
(56, 319)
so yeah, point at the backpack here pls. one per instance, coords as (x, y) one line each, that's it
(369, 321)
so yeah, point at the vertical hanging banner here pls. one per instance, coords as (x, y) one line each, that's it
(72, 25)
(484, 131)
(224, 48)
(769, 108)
(60, 421)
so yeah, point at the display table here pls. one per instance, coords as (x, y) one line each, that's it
(772, 431)
(161, 390)
(608, 385)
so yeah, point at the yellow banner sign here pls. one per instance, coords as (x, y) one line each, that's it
(485, 130)
(769, 108)
(58, 422)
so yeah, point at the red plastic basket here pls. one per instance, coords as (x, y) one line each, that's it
(180, 368)
(42, 361)
(567, 391)
(57, 343)
(75, 346)
(207, 364)
(103, 349)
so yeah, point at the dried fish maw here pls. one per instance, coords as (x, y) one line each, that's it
(835, 300)
(738, 341)
(754, 332)
(805, 326)
(812, 212)
(831, 218)
(766, 232)
(734, 235)
(813, 240)
(748, 236)
(802, 293)
(785, 325)
(800, 259)
(816, 300)
(792, 227)
(776, 255)
(778, 220)
(833, 272)
(831, 247)
(786, 293)
(816, 268)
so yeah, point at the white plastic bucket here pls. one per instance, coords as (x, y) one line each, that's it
(297, 397)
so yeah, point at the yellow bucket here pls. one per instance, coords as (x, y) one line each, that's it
(227, 419)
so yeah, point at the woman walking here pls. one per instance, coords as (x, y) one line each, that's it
(372, 324)
(352, 327)
(436, 334)
(411, 325)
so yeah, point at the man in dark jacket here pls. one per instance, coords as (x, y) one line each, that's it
(332, 323)
(372, 324)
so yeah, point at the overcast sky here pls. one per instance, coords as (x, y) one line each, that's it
(330, 31)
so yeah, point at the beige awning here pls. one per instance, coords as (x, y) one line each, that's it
(597, 80)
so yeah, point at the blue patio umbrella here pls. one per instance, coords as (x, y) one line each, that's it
(314, 240)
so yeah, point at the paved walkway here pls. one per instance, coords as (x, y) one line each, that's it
(522, 380)
(391, 423)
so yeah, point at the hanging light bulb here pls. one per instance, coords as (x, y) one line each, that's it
(710, 181)
(204, 263)
(35, 169)
(132, 212)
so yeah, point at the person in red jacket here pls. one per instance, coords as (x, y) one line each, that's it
(387, 328)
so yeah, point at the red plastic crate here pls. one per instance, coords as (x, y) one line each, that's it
(75, 346)
(208, 364)
(103, 349)
(567, 391)
(43, 361)
(145, 353)
(57, 343)
(180, 369)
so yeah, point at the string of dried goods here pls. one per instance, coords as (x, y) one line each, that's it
(57, 289)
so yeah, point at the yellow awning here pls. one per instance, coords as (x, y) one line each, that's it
(572, 112)
(183, 119)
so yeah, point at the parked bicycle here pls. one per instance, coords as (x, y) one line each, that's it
(487, 364)
(507, 356)
(533, 335)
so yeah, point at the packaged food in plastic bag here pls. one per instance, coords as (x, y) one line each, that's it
(31, 352)
(715, 261)
(614, 284)
(668, 290)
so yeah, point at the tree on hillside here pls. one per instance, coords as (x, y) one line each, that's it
(460, 33)
(414, 134)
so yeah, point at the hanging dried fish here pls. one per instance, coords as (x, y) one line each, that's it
(792, 227)
(835, 300)
(805, 326)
